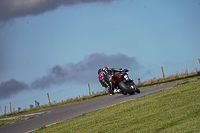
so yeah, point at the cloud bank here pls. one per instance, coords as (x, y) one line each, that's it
(19, 8)
(82, 72)
(11, 87)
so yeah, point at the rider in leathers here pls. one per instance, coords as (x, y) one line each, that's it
(105, 75)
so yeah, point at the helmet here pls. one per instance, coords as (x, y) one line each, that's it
(106, 67)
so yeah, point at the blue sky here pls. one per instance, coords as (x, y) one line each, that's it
(52, 45)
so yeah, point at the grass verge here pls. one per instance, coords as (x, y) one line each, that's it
(173, 110)
(5, 122)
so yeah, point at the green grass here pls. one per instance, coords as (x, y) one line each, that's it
(5, 122)
(173, 110)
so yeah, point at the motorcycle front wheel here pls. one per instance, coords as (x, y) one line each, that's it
(137, 90)
(125, 88)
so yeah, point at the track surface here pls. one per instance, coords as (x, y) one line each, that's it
(62, 113)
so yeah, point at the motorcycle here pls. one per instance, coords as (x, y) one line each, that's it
(123, 84)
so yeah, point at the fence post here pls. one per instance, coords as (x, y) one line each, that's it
(163, 73)
(10, 107)
(199, 61)
(89, 89)
(5, 110)
(48, 98)
(138, 80)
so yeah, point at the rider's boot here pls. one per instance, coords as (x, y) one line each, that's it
(111, 92)
(112, 87)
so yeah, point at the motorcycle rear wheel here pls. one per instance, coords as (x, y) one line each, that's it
(125, 88)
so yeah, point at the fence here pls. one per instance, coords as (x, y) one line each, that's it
(70, 93)
(166, 71)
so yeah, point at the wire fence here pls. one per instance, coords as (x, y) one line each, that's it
(180, 68)
(76, 92)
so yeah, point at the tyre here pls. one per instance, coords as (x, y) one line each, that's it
(125, 88)
(123, 92)
(137, 90)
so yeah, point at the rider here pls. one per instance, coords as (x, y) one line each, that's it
(105, 75)
(101, 77)
(104, 78)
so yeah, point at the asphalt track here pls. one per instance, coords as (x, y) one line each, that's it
(50, 116)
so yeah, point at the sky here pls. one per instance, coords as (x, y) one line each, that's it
(48, 45)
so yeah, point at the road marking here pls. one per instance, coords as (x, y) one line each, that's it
(22, 116)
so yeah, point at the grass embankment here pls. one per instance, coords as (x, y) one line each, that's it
(173, 110)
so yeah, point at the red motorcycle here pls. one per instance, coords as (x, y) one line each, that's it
(122, 83)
